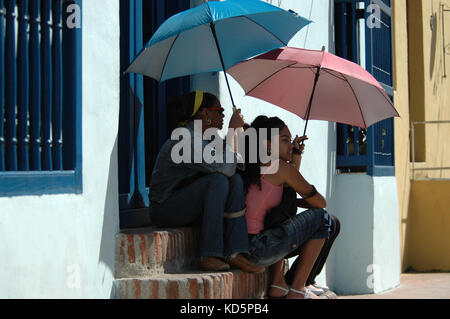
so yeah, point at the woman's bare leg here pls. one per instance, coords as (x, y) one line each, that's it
(308, 257)
(278, 279)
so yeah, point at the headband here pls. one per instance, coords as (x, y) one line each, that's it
(197, 104)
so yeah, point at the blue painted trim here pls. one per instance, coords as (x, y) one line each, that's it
(2, 87)
(381, 171)
(38, 183)
(78, 186)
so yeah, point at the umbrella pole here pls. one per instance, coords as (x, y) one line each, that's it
(213, 29)
(308, 113)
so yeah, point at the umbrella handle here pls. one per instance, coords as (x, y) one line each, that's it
(308, 112)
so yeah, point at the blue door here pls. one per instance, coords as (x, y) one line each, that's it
(142, 127)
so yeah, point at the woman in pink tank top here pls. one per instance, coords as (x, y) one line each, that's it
(264, 185)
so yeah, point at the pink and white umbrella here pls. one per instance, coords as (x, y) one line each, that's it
(315, 85)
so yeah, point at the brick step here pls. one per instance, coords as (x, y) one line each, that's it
(235, 284)
(152, 251)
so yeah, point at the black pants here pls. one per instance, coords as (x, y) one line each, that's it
(321, 259)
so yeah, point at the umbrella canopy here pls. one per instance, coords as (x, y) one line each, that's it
(214, 36)
(315, 85)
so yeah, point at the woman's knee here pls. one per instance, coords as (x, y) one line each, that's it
(219, 183)
(335, 225)
(236, 182)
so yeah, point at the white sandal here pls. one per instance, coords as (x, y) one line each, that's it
(306, 294)
(286, 291)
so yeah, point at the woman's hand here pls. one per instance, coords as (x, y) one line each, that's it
(299, 144)
(237, 120)
(299, 148)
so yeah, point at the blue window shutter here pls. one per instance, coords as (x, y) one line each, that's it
(379, 62)
(35, 88)
(23, 87)
(57, 97)
(378, 158)
(11, 87)
(40, 81)
(46, 80)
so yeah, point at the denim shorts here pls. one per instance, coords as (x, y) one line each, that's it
(272, 245)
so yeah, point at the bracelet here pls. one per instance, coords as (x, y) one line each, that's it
(313, 193)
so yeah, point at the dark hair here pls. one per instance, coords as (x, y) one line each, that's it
(180, 109)
(252, 173)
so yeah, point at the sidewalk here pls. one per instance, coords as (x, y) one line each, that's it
(415, 286)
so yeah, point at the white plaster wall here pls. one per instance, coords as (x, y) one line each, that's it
(366, 255)
(49, 242)
(386, 237)
(352, 203)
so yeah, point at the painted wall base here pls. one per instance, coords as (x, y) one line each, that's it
(365, 258)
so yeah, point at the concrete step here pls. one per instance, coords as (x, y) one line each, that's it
(235, 284)
(152, 251)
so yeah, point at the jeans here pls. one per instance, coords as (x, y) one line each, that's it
(215, 204)
(321, 259)
(273, 245)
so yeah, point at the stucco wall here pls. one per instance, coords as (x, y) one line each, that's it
(401, 101)
(429, 94)
(434, 90)
(428, 232)
(63, 246)
(365, 258)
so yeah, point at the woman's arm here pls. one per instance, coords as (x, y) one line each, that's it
(291, 176)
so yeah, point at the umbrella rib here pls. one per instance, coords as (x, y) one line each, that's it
(334, 75)
(267, 78)
(270, 32)
(167, 57)
(359, 105)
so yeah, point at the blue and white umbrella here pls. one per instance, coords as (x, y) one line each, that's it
(215, 36)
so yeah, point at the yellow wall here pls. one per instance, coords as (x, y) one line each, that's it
(419, 63)
(428, 237)
(401, 100)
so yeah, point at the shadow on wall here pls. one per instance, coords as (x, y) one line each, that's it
(434, 28)
(110, 221)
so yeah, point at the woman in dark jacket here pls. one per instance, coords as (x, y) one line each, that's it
(189, 189)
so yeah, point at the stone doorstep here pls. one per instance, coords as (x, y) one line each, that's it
(196, 285)
(154, 263)
(151, 251)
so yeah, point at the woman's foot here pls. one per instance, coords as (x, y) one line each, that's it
(301, 294)
(278, 292)
(213, 264)
(316, 290)
(244, 264)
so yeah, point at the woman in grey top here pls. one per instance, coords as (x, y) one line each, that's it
(195, 182)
